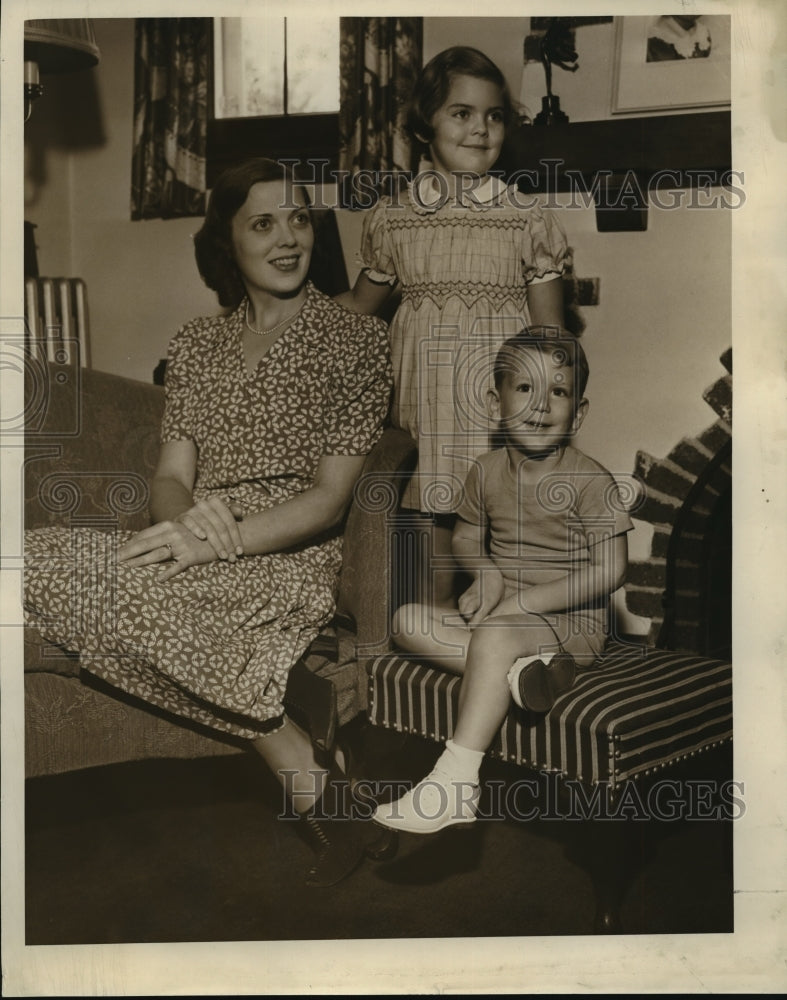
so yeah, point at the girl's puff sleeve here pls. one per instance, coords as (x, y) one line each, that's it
(360, 388)
(177, 423)
(376, 250)
(544, 246)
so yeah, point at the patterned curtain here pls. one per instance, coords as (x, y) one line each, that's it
(170, 117)
(380, 60)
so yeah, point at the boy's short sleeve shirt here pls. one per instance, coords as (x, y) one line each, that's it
(537, 533)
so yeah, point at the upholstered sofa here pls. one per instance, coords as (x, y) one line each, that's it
(91, 442)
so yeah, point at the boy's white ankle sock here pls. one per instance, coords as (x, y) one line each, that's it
(460, 763)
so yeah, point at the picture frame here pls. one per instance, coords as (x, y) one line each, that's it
(670, 62)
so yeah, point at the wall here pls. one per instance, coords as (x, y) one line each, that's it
(663, 319)
(141, 277)
(653, 341)
(585, 95)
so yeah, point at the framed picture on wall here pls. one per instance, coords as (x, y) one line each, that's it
(671, 61)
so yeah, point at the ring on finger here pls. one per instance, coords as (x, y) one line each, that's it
(168, 547)
(230, 499)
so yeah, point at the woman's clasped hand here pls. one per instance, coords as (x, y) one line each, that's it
(205, 532)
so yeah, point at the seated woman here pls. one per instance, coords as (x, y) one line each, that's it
(270, 412)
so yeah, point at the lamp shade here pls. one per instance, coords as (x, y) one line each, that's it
(61, 46)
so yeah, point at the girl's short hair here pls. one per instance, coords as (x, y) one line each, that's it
(564, 347)
(213, 243)
(434, 82)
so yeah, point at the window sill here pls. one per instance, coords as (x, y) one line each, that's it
(292, 137)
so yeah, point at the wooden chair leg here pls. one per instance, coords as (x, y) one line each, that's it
(384, 846)
(610, 862)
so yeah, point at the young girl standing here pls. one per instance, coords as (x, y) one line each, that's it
(473, 266)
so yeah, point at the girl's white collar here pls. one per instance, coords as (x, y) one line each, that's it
(428, 192)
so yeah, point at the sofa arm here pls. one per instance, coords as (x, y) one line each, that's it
(365, 584)
(91, 444)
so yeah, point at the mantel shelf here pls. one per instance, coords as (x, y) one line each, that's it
(644, 145)
(624, 154)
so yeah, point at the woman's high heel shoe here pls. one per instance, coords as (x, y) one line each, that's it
(333, 832)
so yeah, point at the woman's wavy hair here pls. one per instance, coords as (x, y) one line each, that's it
(434, 82)
(213, 243)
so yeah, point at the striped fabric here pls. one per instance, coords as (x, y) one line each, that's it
(643, 709)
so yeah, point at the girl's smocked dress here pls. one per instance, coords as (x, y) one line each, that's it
(216, 642)
(464, 271)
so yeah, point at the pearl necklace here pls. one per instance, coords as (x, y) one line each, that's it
(271, 329)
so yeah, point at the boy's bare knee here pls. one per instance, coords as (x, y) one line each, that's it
(494, 642)
(408, 622)
(505, 641)
(399, 621)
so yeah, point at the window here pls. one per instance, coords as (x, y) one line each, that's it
(276, 90)
(276, 66)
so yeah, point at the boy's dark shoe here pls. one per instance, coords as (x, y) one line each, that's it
(538, 681)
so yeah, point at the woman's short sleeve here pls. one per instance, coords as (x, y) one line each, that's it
(360, 388)
(177, 424)
(544, 246)
(376, 250)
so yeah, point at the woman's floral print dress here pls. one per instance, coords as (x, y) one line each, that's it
(215, 643)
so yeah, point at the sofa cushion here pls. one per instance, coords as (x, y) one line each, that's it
(45, 657)
(641, 709)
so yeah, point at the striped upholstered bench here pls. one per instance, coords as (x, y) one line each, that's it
(642, 710)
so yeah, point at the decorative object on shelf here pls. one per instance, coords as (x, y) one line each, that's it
(56, 46)
(556, 47)
(671, 61)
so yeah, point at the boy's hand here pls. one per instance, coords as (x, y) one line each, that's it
(482, 596)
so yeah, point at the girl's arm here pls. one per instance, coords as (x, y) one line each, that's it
(545, 302)
(604, 574)
(487, 589)
(366, 296)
